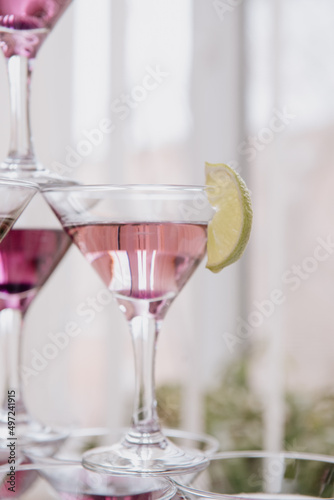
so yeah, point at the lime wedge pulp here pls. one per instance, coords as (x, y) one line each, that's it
(230, 227)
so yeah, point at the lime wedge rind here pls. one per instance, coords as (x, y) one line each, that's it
(230, 228)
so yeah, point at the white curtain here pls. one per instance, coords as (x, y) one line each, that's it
(131, 93)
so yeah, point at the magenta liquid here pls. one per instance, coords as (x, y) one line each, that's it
(80, 484)
(144, 264)
(24, 24)
(27, 258)
(23, 481)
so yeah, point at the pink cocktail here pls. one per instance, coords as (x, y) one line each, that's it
(145, 242)
(32, 252)
(27, 259)
(24, 24)
(145, 265)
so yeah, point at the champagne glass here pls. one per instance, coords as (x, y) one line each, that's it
(14, 197)
(83, 439)
(55, 480)
(31, 253)
(261, 475)
(27, 259)
(24, 25)
(145, 242)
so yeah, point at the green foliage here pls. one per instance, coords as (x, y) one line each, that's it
(233, 413)
(309, 422)
(169, 405)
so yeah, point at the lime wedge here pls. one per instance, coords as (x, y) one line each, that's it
(229, 229)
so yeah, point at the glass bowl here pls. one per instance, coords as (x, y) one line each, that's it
(71, 481)
(261, 475)
(81, 440)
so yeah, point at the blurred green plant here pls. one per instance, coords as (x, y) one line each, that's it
(169, 405)
(233, 413)
(309, 422)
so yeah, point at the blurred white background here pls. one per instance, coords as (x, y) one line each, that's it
(245, 82)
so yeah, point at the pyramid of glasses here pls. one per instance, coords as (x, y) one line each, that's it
(28, 254)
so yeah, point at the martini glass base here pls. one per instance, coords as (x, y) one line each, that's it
(32, 437)
(12, 168)
(27, 164)
(158, 458)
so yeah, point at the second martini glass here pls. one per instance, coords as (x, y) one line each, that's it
(27, 259)
(24, 25)
(29, 254)
(145, 242)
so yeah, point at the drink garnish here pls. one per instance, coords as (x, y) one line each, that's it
(230, 227)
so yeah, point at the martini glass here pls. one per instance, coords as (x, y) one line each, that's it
(145, 242)
(83, 439)
(54, 480)
(31, 253)
(261, 475)
(24, 25)
(14, 197)
(27, 259)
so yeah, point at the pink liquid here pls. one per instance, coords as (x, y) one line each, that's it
(80, 484)
(145, 265)
(23, 481)
(24, 24)
(27, 258)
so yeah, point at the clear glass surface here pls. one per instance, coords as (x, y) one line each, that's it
(28, 256)
(144, 242)
(30, 252)
(14, 197)
(260, 475)
(70, 481)
(24, 25)
(82, 439)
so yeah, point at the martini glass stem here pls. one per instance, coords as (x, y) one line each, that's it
(145, 422)
(21, 151)
(11, 323)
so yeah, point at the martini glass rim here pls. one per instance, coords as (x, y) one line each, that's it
(262, 454)
(26, 31)
(298, 455)
(18, 183)
(128, 187)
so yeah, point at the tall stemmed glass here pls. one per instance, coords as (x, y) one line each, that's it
(27, 259)
(24, 25)
(145, 242)
(256, 475)
(14, 197)
(30, 253)
(68, 480)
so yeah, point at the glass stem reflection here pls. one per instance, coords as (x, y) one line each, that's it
(145, 423)
(11, 322)
(21, 151)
